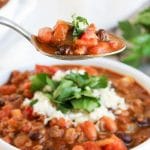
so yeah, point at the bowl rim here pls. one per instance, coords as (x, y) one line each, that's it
(106, 63)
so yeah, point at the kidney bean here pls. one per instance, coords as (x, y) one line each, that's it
(64, 50)
(2, 102)
(70, 135)
(102, 35)
(125, 137)
(35, 135)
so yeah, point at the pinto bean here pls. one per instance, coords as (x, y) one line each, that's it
(16, 113)
(78, 147)
(89, 130)
(145, 122)
(108, 124)
(37, 147)
(70, 135)
(56, 132)
(21, 140)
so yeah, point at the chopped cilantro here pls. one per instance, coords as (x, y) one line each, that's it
(73, 92)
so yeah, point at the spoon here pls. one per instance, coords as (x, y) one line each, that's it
(32, 39)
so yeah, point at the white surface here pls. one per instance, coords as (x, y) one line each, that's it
(105, 13)
(109, 64)
(16, 10)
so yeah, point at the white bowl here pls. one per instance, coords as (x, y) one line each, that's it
(115, 66)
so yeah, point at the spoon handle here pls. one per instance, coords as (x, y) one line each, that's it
(6, 22)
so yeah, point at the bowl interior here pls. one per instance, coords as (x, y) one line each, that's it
(112, 65)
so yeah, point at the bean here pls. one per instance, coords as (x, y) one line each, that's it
(56, 132)
(108, 124)
(144, 123)
(78, 147)
(64, 50)
(70, 135)
(125, 137)
(2, 102)
(34, 135)
(89, 130)
(102, 35)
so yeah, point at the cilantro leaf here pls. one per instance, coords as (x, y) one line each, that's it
(144, 17)
(98, 82)
(79, 79)
(86, 104)
(38, 82)
(79, 25)
(33, 102)
(137, 33)
(52, 83)
(129, 30)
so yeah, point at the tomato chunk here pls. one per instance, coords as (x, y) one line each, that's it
(60, 31)
(86, 42)
(7, 89)
(45, 35)
(46, 69)
(101, 48)
(91, 146)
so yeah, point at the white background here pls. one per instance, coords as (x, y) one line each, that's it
(15, 51)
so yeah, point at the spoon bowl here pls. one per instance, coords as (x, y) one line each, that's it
(44, 48)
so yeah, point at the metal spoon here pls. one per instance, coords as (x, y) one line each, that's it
(31, 38)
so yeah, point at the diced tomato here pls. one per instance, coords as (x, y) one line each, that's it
(90, 70)
(90, 33)
(60, 31)
(27, 85)
(27, 93)
(91, 146)
(101, 48)
(80, 50)
(89, 130)
(112, 143)
(114, 45)
(45, 35)
(6, 111)
(46, 69)
(28, 112)
(7, 89)
(86, 42)
(91, 27)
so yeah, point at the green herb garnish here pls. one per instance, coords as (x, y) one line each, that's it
(137, 34)
(33, 102)
(79, 25)
(73, 92)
